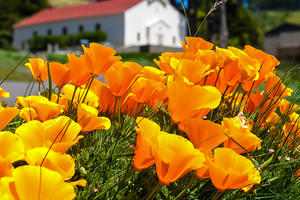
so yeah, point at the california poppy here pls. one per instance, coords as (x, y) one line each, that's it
(12, 148)
(99, 58)
(60, 133)
(144, 88)
(121, 76)
(60, 73)
(229, 170)
(204, 134)
(79, 73)
(43, 108)
(38, 68)
(88, 119)
(35, 182)
(189, 100)
(241, 139)
(175, 156)
(3, 93)
(7, 114)
(91, 98)
(62, 163)
(147, 137)
(193, 44)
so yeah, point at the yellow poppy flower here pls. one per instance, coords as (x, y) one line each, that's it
(61, 163)
(61, 132)
(88, 119)
(35, 183)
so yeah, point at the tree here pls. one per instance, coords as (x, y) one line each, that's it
(13, 11)
(242, 28)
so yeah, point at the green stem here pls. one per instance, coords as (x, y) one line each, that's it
(217, 195)
(186, 188)
(50, 82)
(154, 191)
(111, 187)
(88, 88)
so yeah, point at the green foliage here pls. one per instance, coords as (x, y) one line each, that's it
(38, 43)
(274, 4)
(242, 26)
(13, 11)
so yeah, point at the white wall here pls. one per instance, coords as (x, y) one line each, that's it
(161, 19)
(113, 25)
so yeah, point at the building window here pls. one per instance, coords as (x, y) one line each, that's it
(174, 40)
(34, 33)
(49, 32)
(138, 36)
(64, 30)
(80, 28)
(23, 45)
(98, 27)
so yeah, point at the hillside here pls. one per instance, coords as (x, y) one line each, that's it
(63, 3)
(269, 19)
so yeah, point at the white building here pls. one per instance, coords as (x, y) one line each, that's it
(127, 23)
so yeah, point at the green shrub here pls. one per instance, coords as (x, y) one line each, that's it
(39, 43)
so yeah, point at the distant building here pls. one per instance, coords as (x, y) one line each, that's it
(127, 23)
(284, 42)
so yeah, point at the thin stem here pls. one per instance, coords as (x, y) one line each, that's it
(154, 191)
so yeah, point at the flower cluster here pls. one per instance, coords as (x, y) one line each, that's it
(216, 98)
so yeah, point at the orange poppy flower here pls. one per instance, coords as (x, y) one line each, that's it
(60, 73)
(144, 88)
(6, 168)
(43, 108)
(121, 76)
(249, 66)
(175, 156)
(287, 107)
(165, 64)
(88, 119)
(229, 170)
(79, 73)
(153, 73)
(186, 100)
(61, 163)
(147, 137)
(106, 98)
(38, 68)
(12, 148)
(3, 93)
(99, 58)
(64, 101)
(275, 87)
(242, 140)
(34, 182)
(7, 114)
(204, 134)
(267, 65)
(194, 70)
(193, 44)
(61, 132)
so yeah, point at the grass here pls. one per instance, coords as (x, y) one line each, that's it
(272, 19)
(9, 59)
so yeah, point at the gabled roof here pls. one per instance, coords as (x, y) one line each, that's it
(284, 28)
(101, 8)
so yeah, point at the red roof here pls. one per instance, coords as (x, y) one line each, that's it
(101, 8)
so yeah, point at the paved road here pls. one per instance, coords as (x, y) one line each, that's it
(23, 89)
(18, 89)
